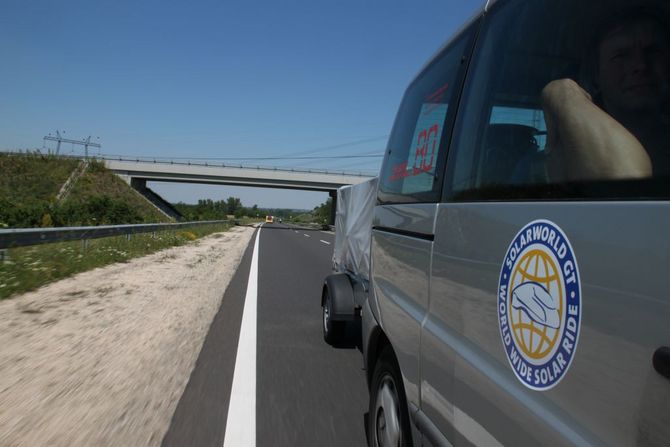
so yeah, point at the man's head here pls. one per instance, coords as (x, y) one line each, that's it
(633, 60)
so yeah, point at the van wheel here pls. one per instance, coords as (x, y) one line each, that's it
(332, 330)
(388, 416)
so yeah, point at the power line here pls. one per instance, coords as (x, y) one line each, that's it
(372, 154)
(341, 145)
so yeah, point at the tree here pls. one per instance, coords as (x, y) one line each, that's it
(233, 204)
(322, 212)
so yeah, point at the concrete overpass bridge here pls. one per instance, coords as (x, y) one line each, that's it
(162, 171)
(138, 172)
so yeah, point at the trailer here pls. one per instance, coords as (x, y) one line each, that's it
(346, 289)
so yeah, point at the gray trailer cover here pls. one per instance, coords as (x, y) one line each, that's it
(353, 228)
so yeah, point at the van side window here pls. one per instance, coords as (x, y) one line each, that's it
(565, 100)
(414, 163)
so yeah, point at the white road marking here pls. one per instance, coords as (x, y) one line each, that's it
(296, 231)
(327, 232)
(306, 235)
(325, 242)
(241, 423)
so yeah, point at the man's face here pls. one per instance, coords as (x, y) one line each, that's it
(634, 68)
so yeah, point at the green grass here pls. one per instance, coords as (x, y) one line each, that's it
(27, 268)
(30, 182)
(33, 177)
(249, 220)
(99, 181)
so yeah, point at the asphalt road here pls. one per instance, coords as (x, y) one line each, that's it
(307, 393)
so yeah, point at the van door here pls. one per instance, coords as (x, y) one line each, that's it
(410, 187)
(548, 294)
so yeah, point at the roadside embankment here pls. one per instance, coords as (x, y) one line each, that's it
(103, 357)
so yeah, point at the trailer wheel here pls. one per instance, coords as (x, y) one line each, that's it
(332, 330)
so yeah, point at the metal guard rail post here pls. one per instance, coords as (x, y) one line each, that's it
(21, 237)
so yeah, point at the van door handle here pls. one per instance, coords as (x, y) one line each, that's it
(661, 361)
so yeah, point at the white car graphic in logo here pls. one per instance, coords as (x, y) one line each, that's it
(537, 303)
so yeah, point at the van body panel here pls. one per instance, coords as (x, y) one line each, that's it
(401, 272)
(610, 393)
(447, 287)
(408, 218)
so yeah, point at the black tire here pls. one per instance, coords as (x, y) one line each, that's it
(388, 416)
(332, 330)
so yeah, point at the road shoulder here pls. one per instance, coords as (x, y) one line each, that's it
(103, 358)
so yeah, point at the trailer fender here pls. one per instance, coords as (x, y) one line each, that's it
(338, 286)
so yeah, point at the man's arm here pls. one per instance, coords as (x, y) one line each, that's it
(585, 142)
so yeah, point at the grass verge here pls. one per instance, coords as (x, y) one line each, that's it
(27, 268)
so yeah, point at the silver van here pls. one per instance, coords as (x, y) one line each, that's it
(520, 240)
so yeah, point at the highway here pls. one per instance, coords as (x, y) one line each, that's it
(306, 392)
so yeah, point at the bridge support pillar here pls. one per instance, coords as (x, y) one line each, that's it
(125, 178)
(139, 184)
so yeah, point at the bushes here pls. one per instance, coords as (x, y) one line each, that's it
(24, 214)
(188, 235)
(96, 166)
(97, 210)
(322, 212)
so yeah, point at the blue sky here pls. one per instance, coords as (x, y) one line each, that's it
(217, 79)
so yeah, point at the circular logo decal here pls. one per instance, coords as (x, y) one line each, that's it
(539, 304)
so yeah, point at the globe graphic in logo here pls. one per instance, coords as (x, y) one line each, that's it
(536, 304)
(539, 304)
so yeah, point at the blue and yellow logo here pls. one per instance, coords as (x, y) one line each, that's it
(539, 304)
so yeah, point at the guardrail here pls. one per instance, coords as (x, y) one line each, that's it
(21, 237)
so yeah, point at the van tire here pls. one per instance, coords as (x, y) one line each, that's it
(388, 416)
(332, 330)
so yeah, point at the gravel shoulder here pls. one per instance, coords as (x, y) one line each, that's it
(102, 358)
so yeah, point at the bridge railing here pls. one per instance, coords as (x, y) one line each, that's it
(21, 237)
(371, 173)
(214, 164)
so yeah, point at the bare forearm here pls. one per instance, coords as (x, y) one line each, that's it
(585, 141)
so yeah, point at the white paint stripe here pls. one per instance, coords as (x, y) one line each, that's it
(325, 242)
(241, 423)
(296, 231)
(306, 235)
